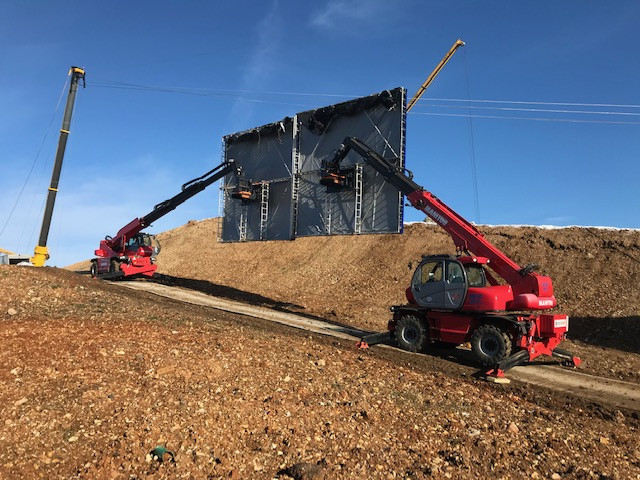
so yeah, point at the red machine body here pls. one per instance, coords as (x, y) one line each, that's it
(525, 289)
(128, 253)
(457, 299)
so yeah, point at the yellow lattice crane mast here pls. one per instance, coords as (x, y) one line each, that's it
(434, 74)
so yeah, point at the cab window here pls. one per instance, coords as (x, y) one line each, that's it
(454, 273)
(428, 272)
(475, 276)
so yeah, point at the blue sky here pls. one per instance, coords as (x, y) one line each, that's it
(132, 148)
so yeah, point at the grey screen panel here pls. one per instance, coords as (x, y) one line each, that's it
(289, 155)
(278, 220)
(322, 213)
(377, 123)
(264, 155)
(231, 218)
(278, 225)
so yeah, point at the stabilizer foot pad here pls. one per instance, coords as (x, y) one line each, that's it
(491, 378)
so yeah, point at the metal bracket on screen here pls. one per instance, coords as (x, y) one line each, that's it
(337, 179)
(245, 190)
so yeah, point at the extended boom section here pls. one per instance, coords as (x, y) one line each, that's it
(131, 252)
(529, 290)
(456, 299)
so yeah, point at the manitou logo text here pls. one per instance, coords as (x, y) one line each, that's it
(436, 216)
(545, 303)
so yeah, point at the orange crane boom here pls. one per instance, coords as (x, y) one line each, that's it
(434, 74)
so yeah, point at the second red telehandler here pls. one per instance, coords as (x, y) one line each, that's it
(458, 299)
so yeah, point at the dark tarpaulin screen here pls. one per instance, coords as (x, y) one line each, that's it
(285, 159)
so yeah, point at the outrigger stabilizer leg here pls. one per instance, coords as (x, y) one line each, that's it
(496, 374)
(568, 359)
(374, 339)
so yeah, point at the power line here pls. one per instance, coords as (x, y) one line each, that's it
(223, 92)
(202, 94)
(35, 160)
(474, 176)
(220, 91)
(232, 95)
(541, 119)
(208, 93)
(519, 102)
(546, 110)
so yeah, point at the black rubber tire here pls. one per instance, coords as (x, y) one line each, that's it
(94, 269)
(412, 333)
(114, 266)
(490, 344)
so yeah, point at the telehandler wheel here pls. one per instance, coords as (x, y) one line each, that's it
(94, 269)
(114, 266)
(412, 334)
(490, 344)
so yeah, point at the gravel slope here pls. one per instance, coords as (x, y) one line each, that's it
(93, 377)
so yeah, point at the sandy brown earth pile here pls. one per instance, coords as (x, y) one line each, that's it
(93, 377)
(356, 278)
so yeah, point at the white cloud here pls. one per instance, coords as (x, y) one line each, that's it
(346, 12)
(262, 63)
(560, 220)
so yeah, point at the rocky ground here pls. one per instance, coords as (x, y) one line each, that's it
(93, 377)
(354, 279)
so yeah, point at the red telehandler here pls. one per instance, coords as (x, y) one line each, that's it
(132, 252)
(456, 299)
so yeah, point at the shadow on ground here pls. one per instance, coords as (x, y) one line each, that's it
(582, 328)
(620, 333)
(457, 355)
(223, 291)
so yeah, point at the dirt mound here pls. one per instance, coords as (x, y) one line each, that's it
(94, 377)
(356, 278)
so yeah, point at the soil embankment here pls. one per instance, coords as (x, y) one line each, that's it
(356, 278)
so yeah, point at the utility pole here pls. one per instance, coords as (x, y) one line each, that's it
(41, 252)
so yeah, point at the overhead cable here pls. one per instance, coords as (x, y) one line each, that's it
(221, 91)
(542, 119)
(35, 160)
(236, 95)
